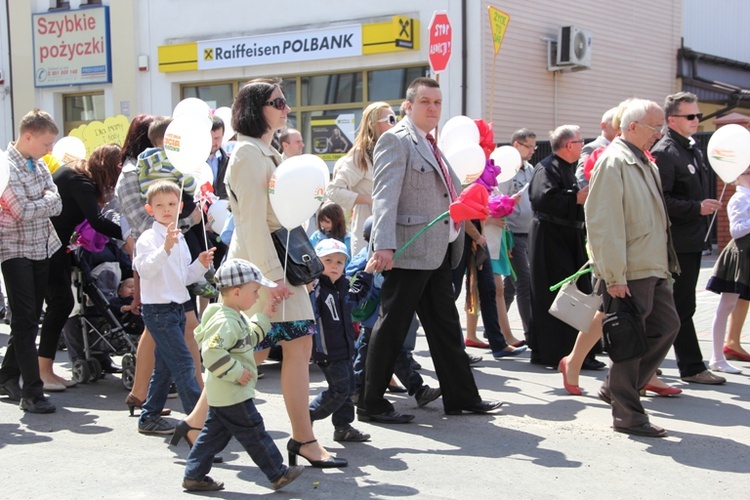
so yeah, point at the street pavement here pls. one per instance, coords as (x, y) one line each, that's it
(545, 444)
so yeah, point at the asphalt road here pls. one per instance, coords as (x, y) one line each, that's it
(544, 444)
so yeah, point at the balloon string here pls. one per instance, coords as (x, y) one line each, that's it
(708, 233)
(286, 258)
(203, 223)
(438, 219)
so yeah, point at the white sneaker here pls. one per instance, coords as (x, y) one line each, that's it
(723, 366)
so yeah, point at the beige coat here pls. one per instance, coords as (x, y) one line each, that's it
(250, 168)
(626, 219)
(350, 181)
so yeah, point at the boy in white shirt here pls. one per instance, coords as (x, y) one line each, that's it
(163, 263)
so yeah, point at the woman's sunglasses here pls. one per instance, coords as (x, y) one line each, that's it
(391, 119)
(278, 103)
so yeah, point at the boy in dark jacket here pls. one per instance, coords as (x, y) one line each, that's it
(333, 299)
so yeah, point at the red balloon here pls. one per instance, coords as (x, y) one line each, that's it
(470, 204)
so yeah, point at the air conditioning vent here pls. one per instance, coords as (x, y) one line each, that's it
(574, 47)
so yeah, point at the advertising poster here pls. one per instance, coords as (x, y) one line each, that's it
(72, 47)
(332, 137)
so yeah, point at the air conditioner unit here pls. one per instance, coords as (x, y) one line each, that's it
(574, 47)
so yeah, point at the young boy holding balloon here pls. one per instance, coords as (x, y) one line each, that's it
(163, 261)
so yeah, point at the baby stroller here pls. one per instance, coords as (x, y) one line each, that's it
(93, 332)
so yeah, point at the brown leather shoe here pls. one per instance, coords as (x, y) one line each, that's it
(645, 430)
(705, 377)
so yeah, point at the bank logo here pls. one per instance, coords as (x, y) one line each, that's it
(208, 54)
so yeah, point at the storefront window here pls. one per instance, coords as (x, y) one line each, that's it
(391, 84)
(215, 95)
(80, 109)
(331, 89)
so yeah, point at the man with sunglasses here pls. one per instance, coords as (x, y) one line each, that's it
(684, 179)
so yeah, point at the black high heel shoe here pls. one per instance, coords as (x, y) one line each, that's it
(181, 431)
(293, 447)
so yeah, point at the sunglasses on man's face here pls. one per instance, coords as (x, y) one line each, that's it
(278, 103)
(391, 119)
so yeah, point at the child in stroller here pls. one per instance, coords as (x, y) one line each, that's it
(104, 292)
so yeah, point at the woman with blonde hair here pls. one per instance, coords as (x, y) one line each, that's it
(351, 186)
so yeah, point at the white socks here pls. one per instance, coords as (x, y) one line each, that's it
(723, 366)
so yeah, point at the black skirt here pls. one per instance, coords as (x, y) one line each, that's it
(731, 272)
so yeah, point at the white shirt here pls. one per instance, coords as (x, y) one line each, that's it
(738, 211)
(164, 276)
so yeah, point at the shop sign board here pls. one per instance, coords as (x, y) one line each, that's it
(72, 47)
(274, 48)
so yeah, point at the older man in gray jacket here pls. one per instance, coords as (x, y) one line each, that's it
(412, 185)
(631, 246)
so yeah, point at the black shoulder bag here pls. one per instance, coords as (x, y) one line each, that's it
(302, 265)
(623, 333)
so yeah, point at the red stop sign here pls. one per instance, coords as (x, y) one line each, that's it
(441, 41)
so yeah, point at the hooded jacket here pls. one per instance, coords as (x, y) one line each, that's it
(227, 339)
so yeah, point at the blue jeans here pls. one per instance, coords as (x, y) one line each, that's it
(243, 422)
(166, 322)
(336, 400)
(403, 370)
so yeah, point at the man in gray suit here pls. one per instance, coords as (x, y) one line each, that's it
(607, 135)
(412, 185)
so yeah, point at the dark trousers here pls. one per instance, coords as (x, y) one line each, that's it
(403, 370)
(520, 288)
(336, 399)
(25, 282)
(243, 422)
(429, 293)
(59, 300)
(626, 378)
(686, 348)
(487, 302)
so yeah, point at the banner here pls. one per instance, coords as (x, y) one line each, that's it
(327, 43)
(94, 134)
(72, 47)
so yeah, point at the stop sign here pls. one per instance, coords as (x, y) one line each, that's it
(441, 36)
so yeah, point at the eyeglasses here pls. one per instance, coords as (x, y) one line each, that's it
(577, 142)
(530, 148)
(278, 103)
(391, 119)
(654, 130)
(691, 116)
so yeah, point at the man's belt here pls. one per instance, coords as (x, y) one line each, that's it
(559, 220)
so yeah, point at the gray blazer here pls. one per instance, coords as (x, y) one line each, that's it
(409, 192)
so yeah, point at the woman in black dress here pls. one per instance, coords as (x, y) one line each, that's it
(84, 187)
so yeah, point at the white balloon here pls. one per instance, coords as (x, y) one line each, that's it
(202, 175)
(508, 159)
(4, 171)
(187, 143)
(467, 160)
(192, 106)
(729, 151)
(457, 129)
(297, 189)
(225, 114)
(217, 215)
(69, 149)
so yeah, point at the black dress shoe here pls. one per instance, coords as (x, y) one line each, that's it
(481, 407)
(645, 430)
(11, 389)
(592, 364)
(388, 417)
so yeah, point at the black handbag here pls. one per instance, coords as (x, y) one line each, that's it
(302, 265)
(622, 330)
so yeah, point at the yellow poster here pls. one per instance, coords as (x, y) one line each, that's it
(94, 134)
(499, 23)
